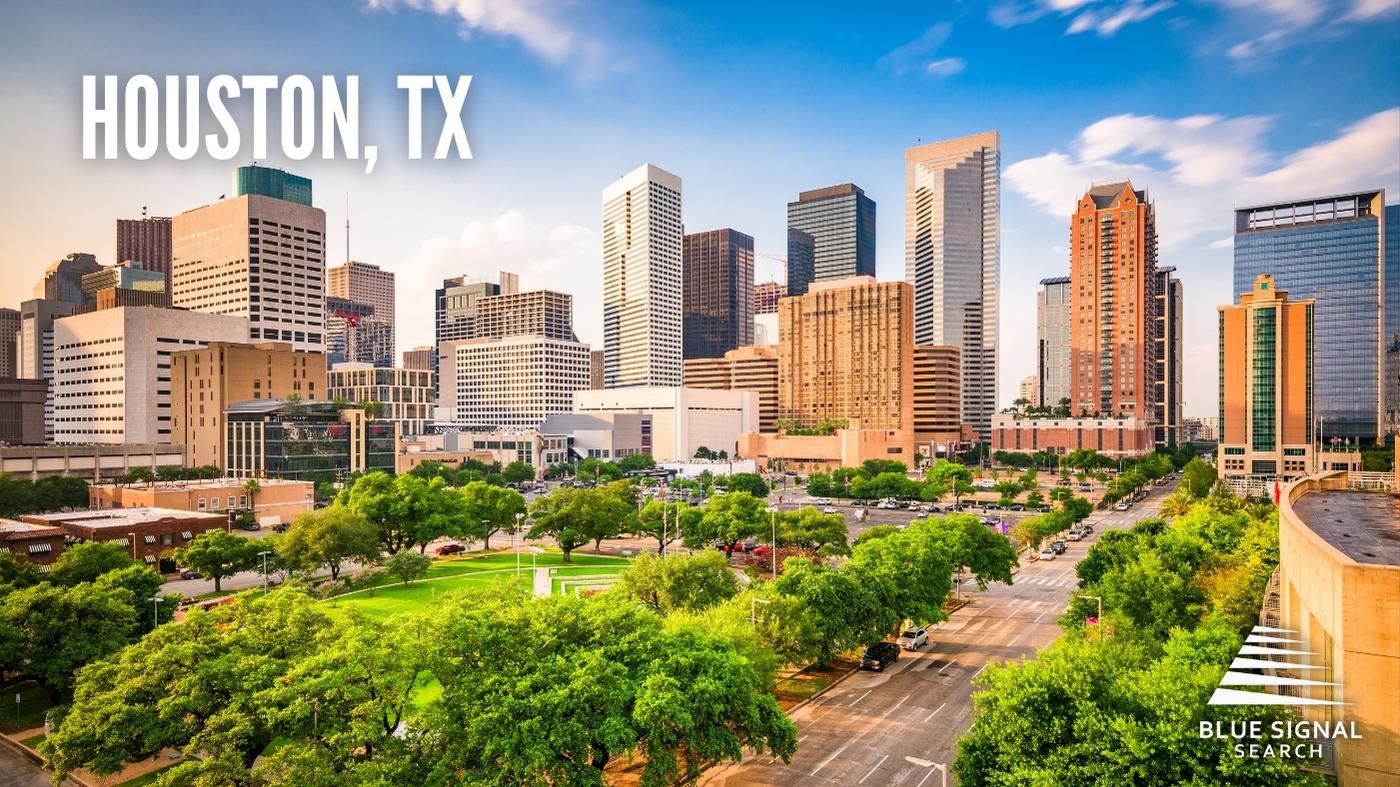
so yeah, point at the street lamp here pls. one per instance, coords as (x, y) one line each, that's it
(773, 522)
(754, 601)
(155, 611)
(263, 554)
(1099, 620)
(518, 516)
(534, 552)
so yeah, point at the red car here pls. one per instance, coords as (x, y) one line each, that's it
(450, 549)
(762, 550)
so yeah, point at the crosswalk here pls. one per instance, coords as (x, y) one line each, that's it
(1047, 582)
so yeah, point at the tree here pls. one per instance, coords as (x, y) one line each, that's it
(252, 487)
(946, 473)
(86, 561)
(1198, 477)
(635, 462)
(48, 631)
(729, 519)
(810, 530)
(1177, 503)
(679, 582)
(489, 509)
(664, 521)
(574, 517)
(752, 483)
(327, 538)
(218, 554)
(373, 497)
(517, 472)
(408, 566)
(962, 489)
(986, 553)
(704, 454)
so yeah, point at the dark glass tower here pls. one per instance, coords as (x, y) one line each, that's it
(831, 235)
(270, 182)
(1330, 249)
(717, 292)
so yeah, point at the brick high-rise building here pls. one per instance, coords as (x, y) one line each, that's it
(753, 368)
(717, 288)
(1266, 384)
(420, 358)
(205, 382)
(766, 295)
(937, 394)
(1166, 356)
(364, 283)
(146, 242)
(1113, 273)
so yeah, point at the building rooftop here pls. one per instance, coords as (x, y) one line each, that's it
(122, 517)
(1055, 280)
(1364, 526)
(206, 483)
(1107, 194)
(13, 527)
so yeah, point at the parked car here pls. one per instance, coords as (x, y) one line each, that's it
(888, 505)
(281, 527)
(762, 550)
(1123, 506)
(1060, 546)
(821, 501)
(1043, 509)
(913, 639)
(1047, 554)
(1064, 482)
(1086, 528)
(933, 509)
(877, 656)
(450, 549)
(1017, 507)
(1086, 487)
(190, 573)
(857, 503)
(829, 510)
(1075, 534)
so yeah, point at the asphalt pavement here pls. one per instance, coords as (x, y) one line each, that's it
(896, 727)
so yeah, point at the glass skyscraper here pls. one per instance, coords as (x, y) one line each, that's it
(831, 235)
(273, 183)
(1332, 250)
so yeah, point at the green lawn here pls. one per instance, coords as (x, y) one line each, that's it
(149, 778)
(477, 570)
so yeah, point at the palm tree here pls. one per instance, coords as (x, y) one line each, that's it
(1177, 503)
(252, 487)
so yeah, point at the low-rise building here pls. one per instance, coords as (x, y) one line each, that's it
(821, 452)
(22, 410)
(1127, 437)
(95, 462)
(151, 534)
(530, 446)
(683, 420)
(404, 396)
(30, 543)
(608, 436)
(273, 438)
(275, 501)
(753, 368)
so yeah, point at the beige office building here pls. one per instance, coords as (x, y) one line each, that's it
(112, 370)
(405, 396)
(846, 346)
(513, 382)
(206, 381)
(937, 396)
(534, 313)
(642, 279)
(255, 257)
(752, 368)
(683, 420)
(362, 282)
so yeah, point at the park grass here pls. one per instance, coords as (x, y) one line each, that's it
(149, 778)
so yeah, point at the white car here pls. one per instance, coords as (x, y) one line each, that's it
(1047, 553)
(913, 639)
(822, 501)
(1123, 507)
(829, 510)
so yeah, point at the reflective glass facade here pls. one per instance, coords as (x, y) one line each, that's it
(291, 442)
(273, 183)
(717, 294)
(831, 235)
(1328, 249)
(1392, 317)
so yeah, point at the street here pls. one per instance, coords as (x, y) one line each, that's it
(892, 728)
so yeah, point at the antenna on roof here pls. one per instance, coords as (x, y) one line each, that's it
(347, 227)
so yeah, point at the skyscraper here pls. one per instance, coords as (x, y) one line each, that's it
(1166, 356)
(1052, 329)
(355, 334)
(145, 242)
(1266, 383)
(718, 292)
(9, 343)
(1392, 317)
(533, 313)
(269, 182)
(1332, 250)
(364, 283)
(766, 295)
(34, 355)
(952, 256)
(420, 358)
(122, 277)
(1113, 274)
(831, 235)
(259, 257)
(63, 279)
(642, 234)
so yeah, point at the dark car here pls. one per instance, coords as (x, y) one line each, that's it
(190, 573)
(878, 655)
(1059, 547)
(450, 549)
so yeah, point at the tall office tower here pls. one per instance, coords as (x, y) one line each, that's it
(511, 382)
(34, 352)
(534, 313)
(9, 343)
(455, 308)
(845, 352)
(831, 235)
(1052, 333)
(112, 380)
(1392, 318)
(122, 277)
(752, 368)
(146, 243)
(274, 183)
(204, 382)
(642, 279)
(1166, 356)
(718, 292)
(63, 279)
(256, 256)
(595, 370)
(355, 334)
(765, 297)
(1029, 389)
(952, 256)
(937, 396)
(365, 283)
(1113, 275)
(1332, 250)
(1266, 383)
(419, 358)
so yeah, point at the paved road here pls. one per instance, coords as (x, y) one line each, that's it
(17, 771)
(883, 728)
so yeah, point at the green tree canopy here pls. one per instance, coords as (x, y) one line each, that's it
(86, 561)
(729, 518)
(574, 517)
(327, 538)
(679, 582)
(218, 554)
(408, 566)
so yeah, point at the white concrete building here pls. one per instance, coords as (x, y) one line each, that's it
(682, 419)
(111, 379)
(642, 240)
(512, 382)
(256, 257)
(765, 328)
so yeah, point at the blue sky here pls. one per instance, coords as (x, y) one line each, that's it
(1207, 104)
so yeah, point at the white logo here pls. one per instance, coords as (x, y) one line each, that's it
(1268, 648)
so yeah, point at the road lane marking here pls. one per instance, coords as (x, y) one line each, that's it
(861, 697)
(1048, 643)
(828, 759)
(892, 708)
(935, 711)
(930, 773)
(978, 672)
(872, 770)
(1013, 641)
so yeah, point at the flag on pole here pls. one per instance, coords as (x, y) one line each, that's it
(1276, 491)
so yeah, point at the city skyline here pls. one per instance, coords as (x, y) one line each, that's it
(1213, 142)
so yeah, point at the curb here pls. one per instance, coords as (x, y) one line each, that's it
(818, 695)
(70, 780)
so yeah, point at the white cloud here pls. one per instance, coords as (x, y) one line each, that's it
(917, 55)
(1366, 9)
(536, 24)
(1108, 21)
(1199, 167)
(543, 256)
(1105, 17)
